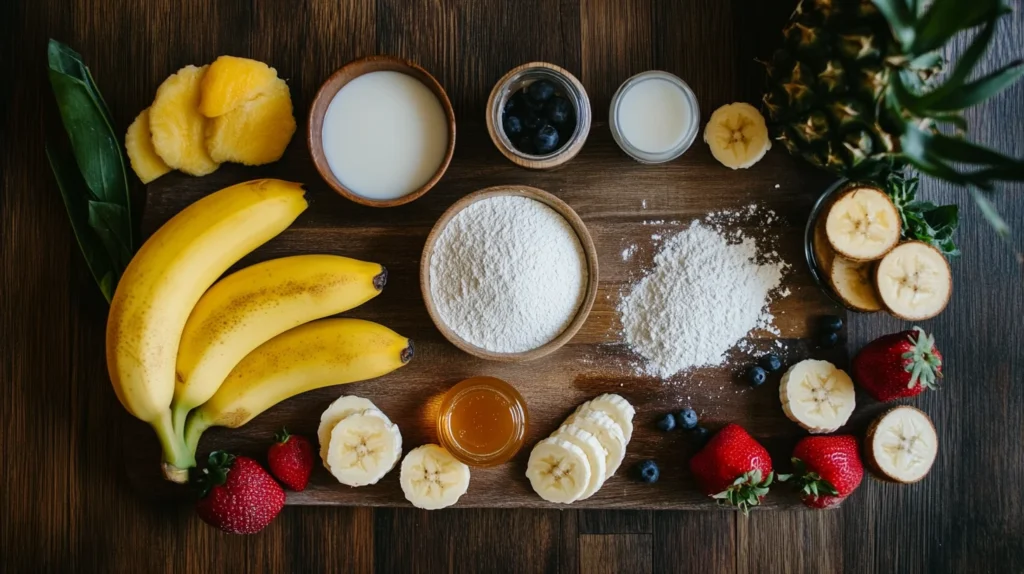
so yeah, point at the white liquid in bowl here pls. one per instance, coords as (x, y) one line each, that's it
(384, 135)
(654, 115)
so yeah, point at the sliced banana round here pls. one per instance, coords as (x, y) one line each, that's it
(617, 408)
(863, 224)
(817, 396)
(914, 281)
(737, 135)
(824, 255)
(364, 447)
(595, 451)
(335, 413)
(606, 430)
(558, 470)
(432, 478)
(854, 283)
(902, 445)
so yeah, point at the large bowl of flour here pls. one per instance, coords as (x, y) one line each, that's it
(509, 273)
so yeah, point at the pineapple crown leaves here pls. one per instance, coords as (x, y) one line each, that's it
(923, 220)
(810, 483)
(746, 491)
(215, 474)
(923, 364)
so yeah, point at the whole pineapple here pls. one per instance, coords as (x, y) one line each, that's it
(856, 89)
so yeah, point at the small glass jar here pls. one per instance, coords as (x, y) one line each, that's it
(689, 131)
(566, 85)
(482, 421)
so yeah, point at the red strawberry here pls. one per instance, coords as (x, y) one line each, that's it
(898, 365)
(238, 496)
(733, 468)
(291, 460)
(826, 469)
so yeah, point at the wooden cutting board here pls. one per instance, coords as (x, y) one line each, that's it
(623, 204)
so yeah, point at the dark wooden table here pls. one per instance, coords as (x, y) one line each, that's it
(64, 499)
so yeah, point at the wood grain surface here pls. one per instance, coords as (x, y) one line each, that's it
(68, 506)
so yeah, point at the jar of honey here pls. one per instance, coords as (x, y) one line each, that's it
(482, 421)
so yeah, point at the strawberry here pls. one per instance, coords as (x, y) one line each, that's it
(237, 495)
(733, 468)
(826, 469)
(291, 460)
(898, 365)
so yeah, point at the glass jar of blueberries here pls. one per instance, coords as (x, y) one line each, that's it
(538, 115)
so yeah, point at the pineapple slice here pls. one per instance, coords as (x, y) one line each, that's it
(231, 81)
(177, 126)
(139, 144)
(257, 131)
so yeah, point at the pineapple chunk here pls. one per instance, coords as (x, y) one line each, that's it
(231, 81)
(176, 125)
(257, 131)
(139, 145)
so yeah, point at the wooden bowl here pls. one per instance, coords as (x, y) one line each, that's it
(338, 80)
(589, 252)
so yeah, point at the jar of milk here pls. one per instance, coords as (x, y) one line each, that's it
(654, 117)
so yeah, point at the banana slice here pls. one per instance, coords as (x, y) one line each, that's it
(817, 396)
(596, 455)
(824, 255)
(617, 408)
(558, 470)
(737, 135)
(863, 224)
(364, 447)
(914, 281)
(902, 445)
(606, 430)
(431, 478)
(854, 283)
(335, 413)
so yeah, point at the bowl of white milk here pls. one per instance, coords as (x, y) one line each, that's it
(381, 131)
(654, 117)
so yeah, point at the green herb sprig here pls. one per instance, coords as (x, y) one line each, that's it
(923, 220)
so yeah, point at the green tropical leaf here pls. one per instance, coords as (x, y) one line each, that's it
(980, 90)
(945, 18)
(964, 67)
(990, 213)
(901, 19)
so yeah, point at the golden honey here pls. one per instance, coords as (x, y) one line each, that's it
(482, 421)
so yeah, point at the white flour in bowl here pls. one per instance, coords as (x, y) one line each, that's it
(702, 297)
(508, 274)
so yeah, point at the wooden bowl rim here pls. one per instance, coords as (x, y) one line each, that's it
(315, 122)
(582, 234)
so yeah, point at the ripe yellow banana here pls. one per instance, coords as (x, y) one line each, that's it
(318, 354)
(250, 307)
(163, 283)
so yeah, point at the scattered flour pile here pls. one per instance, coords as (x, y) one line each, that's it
(702, 297)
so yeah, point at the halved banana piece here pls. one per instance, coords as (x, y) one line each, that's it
(596, 455)
(558, 470)
(737, 135)
(606, 430)
(364, 447)
(817, 396)
(341, 408)
(914, 281)
(902, 445)
(863, 224)
(617, 408)
(824, 255)
(854, 283)
(432, 478)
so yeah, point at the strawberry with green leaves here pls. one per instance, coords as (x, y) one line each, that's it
(827, 469)
(898, 365)
(237, 495)
(733, 468)
(290, 460)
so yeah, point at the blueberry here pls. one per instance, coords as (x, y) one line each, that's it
(524, 102)
(513, 125)
(540, 91)
(770, 363)
(532, 122)
(546, 140)
(701, 436)
(648, 471)
(831, 323)
(512, 105)
(828, 340)
(756, 376)
(558, 110)
(687, 418)
(525, 145)
(666, 423)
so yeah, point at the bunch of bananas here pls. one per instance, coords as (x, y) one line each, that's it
(184, 356)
